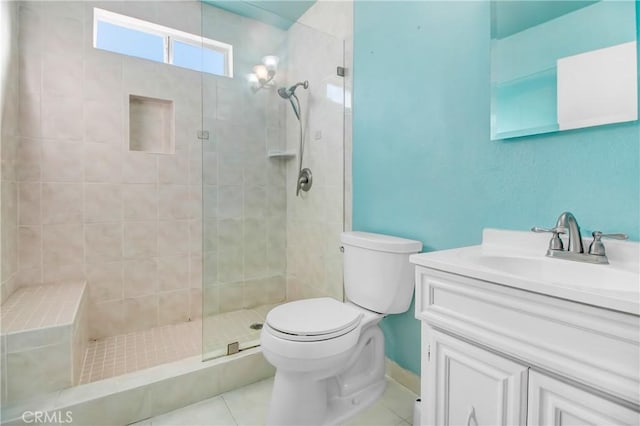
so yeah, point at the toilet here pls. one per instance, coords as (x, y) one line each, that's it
(328, 354)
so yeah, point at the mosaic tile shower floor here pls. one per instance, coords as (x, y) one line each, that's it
(121, 354)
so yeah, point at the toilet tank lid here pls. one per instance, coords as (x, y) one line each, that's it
(380, 242)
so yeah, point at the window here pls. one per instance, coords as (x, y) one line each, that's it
(135, 37)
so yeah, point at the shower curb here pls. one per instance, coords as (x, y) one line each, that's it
(143, 394)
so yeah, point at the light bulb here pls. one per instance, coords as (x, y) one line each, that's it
(252, 78)
(261, 72)
(271, 62)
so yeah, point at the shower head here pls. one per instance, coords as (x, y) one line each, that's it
(290, 94)
(287, 93)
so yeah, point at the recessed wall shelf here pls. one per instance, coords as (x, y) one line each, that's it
(151, 125)
(283, 155)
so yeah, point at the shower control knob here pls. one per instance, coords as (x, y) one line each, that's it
(305, 180)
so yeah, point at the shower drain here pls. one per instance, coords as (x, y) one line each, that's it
(256, 326)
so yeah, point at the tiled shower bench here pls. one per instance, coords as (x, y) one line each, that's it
(44, 336)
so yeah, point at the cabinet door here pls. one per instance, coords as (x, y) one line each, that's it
(552, 402)
(469, 386)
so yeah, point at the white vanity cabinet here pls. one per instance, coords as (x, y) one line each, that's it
(471, 386)
(555, 403)
(497, 355)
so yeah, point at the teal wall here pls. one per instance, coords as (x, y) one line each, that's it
(423, 164)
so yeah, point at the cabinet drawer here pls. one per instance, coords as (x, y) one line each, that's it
(593, 346)
(552, 402)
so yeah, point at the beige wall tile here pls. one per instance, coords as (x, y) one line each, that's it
(173, 273)
(103, 163)
(195, 303)
(62, 161)
(106, 318)
(104, 281)
(28, 160)
(230, 200)
(30, 115)
(231, 296)
(140, 202)
(28, 376)
(195, 271)
(103, 242)
(102, 202)
(140, 313)
(62, 203)
(29, 203)
(63, 74)
(29, 247)
(103, 121)
(140, 239)
(173, 238)
(174, 168)
(174, 307)
(103, 76)
(174, 202)
(140, 167)
(62, 244)
(140, 277)
(60, 118)
(62, 273)
(210, 168)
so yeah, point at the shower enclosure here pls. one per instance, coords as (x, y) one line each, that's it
(149, 179)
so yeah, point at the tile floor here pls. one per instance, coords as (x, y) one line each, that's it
(116, 355)
(247, 406)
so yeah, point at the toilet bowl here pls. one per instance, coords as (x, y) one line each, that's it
(328, 371)
(328, 354)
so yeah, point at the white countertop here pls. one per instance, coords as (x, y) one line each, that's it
(517, 259)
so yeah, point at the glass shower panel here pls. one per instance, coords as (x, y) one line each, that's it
(251, 214)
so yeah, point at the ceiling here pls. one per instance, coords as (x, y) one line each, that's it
(279, 13)
(509, 17)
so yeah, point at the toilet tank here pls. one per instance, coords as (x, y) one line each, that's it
(377, 272)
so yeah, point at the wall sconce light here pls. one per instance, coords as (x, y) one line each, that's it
(264, 73)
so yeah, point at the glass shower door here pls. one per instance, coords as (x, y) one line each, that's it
(251, 213)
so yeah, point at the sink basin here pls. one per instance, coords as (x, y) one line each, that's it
(562, 272)
(517, 259)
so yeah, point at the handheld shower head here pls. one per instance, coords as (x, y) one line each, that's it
(290, 94)
(284, 93)
(287, 93)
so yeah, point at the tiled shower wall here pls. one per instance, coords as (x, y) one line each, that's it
(8, 141)
(316, 219)
(130, 223)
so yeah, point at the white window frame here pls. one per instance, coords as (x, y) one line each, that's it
(169, 35)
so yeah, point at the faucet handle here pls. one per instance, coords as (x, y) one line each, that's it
(556, 230)
(556, 242)
(597, 248)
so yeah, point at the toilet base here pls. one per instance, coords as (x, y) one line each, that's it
(341, 409)
(328, 397)
(313, 407)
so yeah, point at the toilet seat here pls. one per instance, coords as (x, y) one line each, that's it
(312, 320)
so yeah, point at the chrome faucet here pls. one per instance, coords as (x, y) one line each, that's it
(567, 224)
(568, 221)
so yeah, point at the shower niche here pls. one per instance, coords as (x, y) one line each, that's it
(151, 125)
